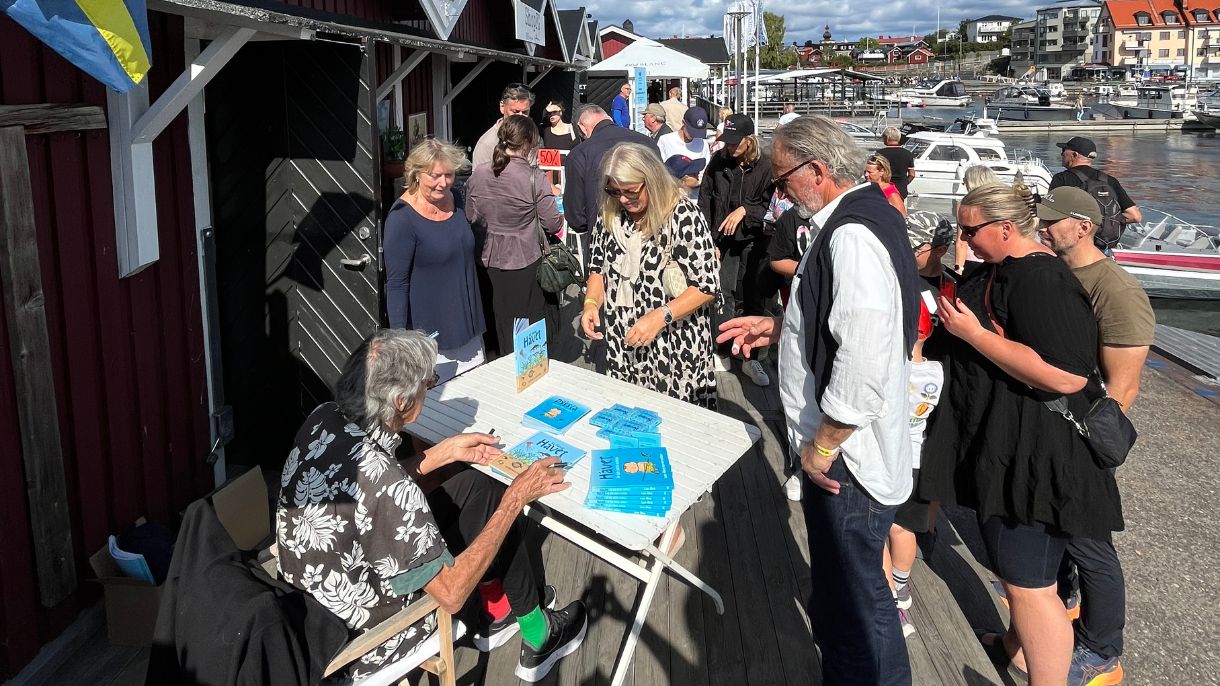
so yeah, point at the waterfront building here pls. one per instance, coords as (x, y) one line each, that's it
(988, 29)
(1153, 38)
(1060, 37)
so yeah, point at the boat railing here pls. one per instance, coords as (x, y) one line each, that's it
(1165, 228)
(1027, 157)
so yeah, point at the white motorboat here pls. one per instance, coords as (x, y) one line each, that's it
(945, 93)
(862, 135)
(941, 160)
(1208, 102)
(1152, 101)
(1030, 103)
(1172, 258)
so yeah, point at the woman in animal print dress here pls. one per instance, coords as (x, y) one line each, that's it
(658, 337)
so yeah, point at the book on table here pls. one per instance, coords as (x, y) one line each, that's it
(556, 414)
(541, 445)
(529, 352)
(635, 480)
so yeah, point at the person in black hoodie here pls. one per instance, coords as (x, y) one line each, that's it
(734, 195)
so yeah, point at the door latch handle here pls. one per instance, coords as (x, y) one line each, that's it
(357, 265)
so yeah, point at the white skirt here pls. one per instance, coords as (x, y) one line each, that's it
(456, 361)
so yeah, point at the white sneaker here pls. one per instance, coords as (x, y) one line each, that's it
(792, 488)
(722, 364)
(754, 370)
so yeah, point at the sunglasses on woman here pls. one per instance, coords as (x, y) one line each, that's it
(617, 193)
(969, 232)
(554, 113)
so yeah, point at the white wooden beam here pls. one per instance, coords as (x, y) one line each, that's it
(132, 182)
(540, 76)
(189, 83)
(442, 114)
(461, 85)
(401, 73)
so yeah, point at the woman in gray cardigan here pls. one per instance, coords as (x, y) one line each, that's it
(508, 199)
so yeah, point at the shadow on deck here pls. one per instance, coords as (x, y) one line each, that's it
(748, 542)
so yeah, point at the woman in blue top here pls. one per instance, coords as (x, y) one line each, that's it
(430, 259)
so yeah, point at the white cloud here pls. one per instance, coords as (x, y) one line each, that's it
(804, 20)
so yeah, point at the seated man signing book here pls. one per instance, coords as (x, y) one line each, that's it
(357, 532)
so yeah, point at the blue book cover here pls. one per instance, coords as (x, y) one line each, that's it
(555, 414)
(529, 352)
(662, 499)
(629, 509)
(630, 469)
(541, 445)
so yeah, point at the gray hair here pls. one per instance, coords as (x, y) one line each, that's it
(814, 137)
(389, 365)
(891, 135)
(517, 91)
(979, 175)
(589, 110)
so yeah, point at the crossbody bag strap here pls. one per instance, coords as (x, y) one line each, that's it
(543, 244)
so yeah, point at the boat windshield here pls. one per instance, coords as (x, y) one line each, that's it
(916, 146)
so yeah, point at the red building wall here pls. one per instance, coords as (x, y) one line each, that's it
(612, 45)
(127, 354)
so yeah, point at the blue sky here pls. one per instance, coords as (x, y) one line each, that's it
(804, 20)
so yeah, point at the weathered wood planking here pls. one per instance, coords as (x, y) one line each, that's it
(38, 414)
(50, 118)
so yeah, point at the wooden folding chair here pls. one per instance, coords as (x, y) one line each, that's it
(438, 661)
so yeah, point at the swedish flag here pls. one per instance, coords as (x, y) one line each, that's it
(108, 39)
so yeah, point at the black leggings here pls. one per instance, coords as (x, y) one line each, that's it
(462, 505)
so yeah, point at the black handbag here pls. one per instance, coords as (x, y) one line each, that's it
(1104, 428)
(558, 268)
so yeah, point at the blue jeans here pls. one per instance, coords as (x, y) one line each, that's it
(855, 621)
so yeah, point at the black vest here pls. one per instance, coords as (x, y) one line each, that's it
(869, 207)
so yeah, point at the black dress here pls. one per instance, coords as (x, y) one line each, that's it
(557, 141)
(994, 446)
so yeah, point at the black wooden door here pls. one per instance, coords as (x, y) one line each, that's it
(294, 168)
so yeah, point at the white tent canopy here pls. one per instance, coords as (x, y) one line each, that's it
(660, 62)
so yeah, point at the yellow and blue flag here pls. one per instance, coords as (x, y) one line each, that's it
(108, 39)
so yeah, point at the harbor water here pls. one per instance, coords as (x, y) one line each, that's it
(1175, 172)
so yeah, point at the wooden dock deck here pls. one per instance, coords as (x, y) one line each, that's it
(748, 542)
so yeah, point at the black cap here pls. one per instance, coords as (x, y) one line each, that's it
(736, 127)
(695, 122)
(1079, 144)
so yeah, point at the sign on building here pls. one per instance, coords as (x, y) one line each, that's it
(531, 27)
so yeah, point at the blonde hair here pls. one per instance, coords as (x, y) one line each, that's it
(883, 164)
(997, 202)
(426, 154)
(725, 113)
(631, 163)
(753, 150)
(978, 175)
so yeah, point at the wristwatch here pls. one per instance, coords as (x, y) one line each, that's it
(669, 316)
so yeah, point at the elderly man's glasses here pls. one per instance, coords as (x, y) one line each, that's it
(969, 232)
(631, 195)
(781, 181)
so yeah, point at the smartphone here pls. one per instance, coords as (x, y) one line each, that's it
(948, 284)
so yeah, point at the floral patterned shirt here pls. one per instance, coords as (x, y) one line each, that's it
(355, 531)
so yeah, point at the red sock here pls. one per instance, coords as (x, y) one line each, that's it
(495, 603)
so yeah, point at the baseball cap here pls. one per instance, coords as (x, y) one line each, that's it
(683, 165)
(736, 127)
(1068, 201)
(695, 122)
(655, 110)
(1079, 144)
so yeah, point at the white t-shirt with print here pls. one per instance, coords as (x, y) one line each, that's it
(923, 392)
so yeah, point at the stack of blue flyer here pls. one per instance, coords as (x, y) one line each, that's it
(631, 480)
(628, 427)
(556, 414)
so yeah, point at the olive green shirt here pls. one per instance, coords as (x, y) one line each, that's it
(1124, 315)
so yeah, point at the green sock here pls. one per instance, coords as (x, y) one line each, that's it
(533, 627)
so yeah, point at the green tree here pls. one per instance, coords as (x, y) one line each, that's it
(775, 54)
(841, 60)
(866, 43)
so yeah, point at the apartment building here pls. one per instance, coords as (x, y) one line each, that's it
(1060, 37)
(1154, 38)
(988, 29)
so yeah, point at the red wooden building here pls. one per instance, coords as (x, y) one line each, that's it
(200, 254)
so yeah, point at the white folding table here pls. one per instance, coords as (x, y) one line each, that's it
(702, 445)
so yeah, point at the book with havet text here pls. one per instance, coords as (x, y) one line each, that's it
(556, 414)
(529, 352)
(630, 471)
(518, 458)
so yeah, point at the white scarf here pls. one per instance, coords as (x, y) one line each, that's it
(628, 263)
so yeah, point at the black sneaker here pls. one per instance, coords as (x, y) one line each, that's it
(566, 631)
(498, 632)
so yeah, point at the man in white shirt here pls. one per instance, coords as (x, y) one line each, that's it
(845, 343)
(788, 115)
(675, 109)
(517, 98)
(686, 152)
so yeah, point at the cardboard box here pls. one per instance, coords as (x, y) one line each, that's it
(132, 605)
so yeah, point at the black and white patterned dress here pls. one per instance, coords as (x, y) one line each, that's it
(679, 362)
